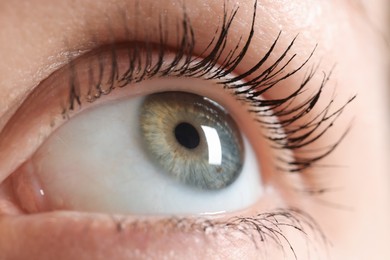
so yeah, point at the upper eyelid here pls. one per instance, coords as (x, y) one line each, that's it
(107, 23)
(106, 36)
(102, 25)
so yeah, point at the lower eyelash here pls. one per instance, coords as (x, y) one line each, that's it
(263, 230)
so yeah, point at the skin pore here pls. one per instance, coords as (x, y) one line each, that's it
(38, 38)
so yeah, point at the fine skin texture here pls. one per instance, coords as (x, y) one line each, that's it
(38, 37)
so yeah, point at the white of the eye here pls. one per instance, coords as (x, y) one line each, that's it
(95, 162)
(214, 145)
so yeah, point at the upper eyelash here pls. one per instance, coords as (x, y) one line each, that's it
(184, 64)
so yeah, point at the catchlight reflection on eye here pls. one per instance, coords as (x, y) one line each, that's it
(163, 153)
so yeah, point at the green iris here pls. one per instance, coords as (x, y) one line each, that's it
(192, 139)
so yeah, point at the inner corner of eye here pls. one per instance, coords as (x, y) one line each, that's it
(165, 153)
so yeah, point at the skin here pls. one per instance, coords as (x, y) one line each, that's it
(354, 216)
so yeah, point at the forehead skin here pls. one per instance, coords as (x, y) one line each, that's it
(37, 37)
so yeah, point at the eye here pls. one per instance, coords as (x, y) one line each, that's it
(163, 153)
(137, 128)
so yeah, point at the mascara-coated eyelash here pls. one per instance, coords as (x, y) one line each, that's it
(285, 134)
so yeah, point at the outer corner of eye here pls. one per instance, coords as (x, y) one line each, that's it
(161, 154)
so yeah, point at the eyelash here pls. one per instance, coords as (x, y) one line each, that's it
(284, 135)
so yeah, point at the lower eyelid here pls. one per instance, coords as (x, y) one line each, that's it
(113, 236)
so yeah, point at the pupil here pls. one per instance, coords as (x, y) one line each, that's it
(187, 135)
